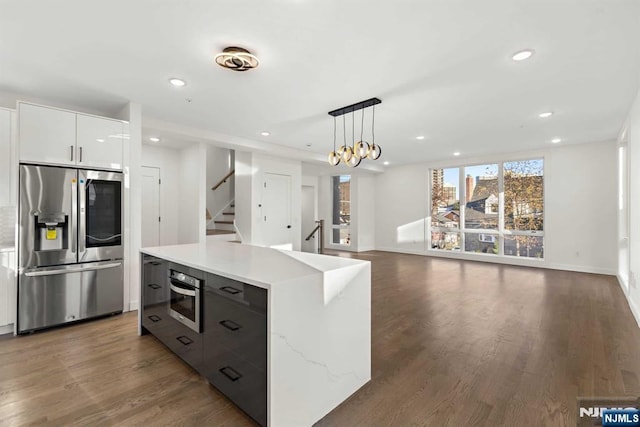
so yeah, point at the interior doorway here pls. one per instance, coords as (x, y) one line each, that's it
(150, 206)
(276, 211)
(308, 219)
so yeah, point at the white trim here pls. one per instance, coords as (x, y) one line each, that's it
(634, 308)
(133, 305)
(6, 329)
(507, 260)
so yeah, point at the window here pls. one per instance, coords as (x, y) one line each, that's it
(341, 210)
(445, 209)
(500, 212)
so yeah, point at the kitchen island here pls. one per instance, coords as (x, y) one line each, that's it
(285, 335)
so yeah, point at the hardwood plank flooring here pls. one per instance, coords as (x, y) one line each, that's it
(454, 343)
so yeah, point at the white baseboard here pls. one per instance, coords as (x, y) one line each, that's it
(6, 329)
(627, 293)
(521, 262)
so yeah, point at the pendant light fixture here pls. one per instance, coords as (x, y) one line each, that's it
(354, 161)
(374, 150)
(362, 147)
(353, 154)
(334, 157)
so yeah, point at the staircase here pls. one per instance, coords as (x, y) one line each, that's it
(222, 225)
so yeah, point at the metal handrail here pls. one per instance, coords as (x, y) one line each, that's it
(223, 180)
(320, 227)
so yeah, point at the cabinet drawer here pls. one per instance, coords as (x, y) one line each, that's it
(252, 296)
(245, 385)
(155, 317)
(184, 342)
(233, 325)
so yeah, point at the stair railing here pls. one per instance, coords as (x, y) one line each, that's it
(319, 228)
(223, 180)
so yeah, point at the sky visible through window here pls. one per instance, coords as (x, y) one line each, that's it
(451, 174)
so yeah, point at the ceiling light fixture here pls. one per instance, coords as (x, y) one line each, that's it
(100, 140)
(420, 138)
(386, 163)
(545, 114)
(556, 140)
(237, 59)
(353, 154)
(457, 153)
(177, 82)
(265, 133)
(522, 55)
(154, 139)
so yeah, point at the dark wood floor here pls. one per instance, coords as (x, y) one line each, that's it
(454, 343)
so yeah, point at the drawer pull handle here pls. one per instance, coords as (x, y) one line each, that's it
(155, 318)
(154, 286)
(230, 290)
(184, 340)
(230, 373)
(230, 325)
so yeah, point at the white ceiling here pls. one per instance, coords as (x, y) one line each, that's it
(443, 69)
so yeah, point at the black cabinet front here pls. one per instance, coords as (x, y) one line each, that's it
(231, 350)
(235, 343)
(155, 294)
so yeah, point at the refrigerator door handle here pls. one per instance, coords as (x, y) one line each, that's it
(72, 270)
(74, 214)
(82, 217)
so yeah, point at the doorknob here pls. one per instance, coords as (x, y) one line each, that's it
(288, 226)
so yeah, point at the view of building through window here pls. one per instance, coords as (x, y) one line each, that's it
(341, 210)
(513, 227)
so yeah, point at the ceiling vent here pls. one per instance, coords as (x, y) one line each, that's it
(237, 59)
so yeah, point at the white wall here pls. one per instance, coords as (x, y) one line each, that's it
(219, 163)
(634, 207)
(366, 212)
(580, 208)
(243, 195)
(164, 158)
(192, 194)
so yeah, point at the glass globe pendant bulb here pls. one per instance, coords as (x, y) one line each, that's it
(334, 158)
(362, 149)
(374, 151)
(347, 154)
(354, 161)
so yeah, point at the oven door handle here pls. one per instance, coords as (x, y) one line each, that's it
(182, 291)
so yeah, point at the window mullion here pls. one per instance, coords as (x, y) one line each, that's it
(501, 208)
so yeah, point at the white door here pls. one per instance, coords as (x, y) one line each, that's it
(99, 142)
(47, 135)
(276, 211)
(309, 219)
(150, 206)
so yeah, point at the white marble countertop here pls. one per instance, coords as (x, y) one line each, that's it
(256, 265)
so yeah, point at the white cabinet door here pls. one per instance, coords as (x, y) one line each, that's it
(5, 158)
(47, 135)
(99, 142)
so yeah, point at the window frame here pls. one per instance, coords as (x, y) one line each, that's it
(500, 232)
(340, 226)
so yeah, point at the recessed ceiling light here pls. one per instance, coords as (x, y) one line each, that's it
(420, 138)
(177, 82)
(556, 140)
(100, 140)
(265, 133)
(457, 153)
(386, 163)
(154, 139)
(522, 55)
(545, 114)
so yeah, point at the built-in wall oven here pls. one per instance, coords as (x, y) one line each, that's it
(185, 302)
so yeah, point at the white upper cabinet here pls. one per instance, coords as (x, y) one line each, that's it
(99, 142)
(60, 137)
(47, 135)
(5, 159)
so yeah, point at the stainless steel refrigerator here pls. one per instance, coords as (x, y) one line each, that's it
(70, 245)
